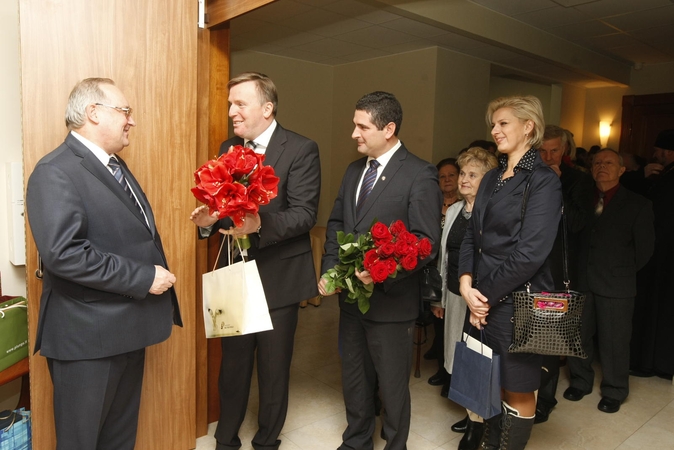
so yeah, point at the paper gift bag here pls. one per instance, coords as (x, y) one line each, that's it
(13, 331)
(234, 302)
(476, 378)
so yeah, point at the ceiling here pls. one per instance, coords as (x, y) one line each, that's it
(581, 42)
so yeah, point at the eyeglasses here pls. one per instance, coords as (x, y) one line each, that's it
(126, 111)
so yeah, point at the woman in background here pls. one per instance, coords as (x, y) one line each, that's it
(448, 178)
(473, 165)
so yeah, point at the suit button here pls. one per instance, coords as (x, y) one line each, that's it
(480, 232)
(479, 250)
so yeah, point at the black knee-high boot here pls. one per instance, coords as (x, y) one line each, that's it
(515, 429)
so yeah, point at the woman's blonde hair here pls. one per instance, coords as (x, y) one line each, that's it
(525, 109)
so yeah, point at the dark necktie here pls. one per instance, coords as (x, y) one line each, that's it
(368, 182)
(600, 205)
(121, 179)
(251, 145)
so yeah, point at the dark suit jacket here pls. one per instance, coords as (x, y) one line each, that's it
(502, 251)
(282, 250)
(616, 245)
(407, 190)
(577, 189)
(99, 256)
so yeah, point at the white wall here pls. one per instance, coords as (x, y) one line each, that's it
(13, 278)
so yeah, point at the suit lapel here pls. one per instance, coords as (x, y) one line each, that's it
(98, 170)
(276, 146)
(386, 177)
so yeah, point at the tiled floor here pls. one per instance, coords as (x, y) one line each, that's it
(316, 417)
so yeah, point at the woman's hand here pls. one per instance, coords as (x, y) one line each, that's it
(476, 302)
(438, 311)
(476, 321)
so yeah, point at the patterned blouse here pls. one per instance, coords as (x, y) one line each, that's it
(526, 163)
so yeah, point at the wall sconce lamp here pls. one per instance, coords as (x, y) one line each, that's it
(604, 133)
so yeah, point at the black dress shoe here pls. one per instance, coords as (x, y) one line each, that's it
(542, 414)
(574, 394)
(460, 426)
(609, 405)
(471, 440)
(439, 378)
(444, 392)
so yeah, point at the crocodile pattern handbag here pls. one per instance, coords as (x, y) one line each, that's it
(548, 323)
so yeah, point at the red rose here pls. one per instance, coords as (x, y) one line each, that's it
(409, 262)
(379, 272)
(425, 248)
(391, 265)
(402, 248)
(370, 258)
(408, 237)
(380, 233)
(397, 227)
(386, 249)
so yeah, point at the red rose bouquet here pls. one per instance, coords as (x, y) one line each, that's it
(384, 252)
(235, 184)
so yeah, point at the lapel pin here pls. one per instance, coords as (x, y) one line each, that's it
(383, 178)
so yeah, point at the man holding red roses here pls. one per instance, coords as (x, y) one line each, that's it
(378, 345)
(281, 247)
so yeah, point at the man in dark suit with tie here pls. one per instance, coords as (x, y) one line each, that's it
(388, 184)
(107, 292)
(281, 247)
(618, 242)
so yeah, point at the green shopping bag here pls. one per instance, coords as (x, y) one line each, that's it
(13, 330)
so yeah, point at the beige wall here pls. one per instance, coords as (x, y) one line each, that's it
(461, 98)
(572, 111)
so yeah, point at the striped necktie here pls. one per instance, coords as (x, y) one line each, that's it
(368, 182)
(121, 179)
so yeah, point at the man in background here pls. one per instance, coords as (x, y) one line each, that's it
(577, 189)
(618, 242)
(107, 292)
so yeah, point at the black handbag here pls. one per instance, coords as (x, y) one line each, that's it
(548, 323)
(431, 284)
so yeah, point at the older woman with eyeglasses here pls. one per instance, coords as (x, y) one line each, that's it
(473, 164)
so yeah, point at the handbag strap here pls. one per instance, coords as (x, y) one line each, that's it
(565, 249)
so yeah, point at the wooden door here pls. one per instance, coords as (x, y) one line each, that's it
(149, 48)
(643, 117)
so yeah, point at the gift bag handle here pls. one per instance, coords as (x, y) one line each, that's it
(229, 251)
